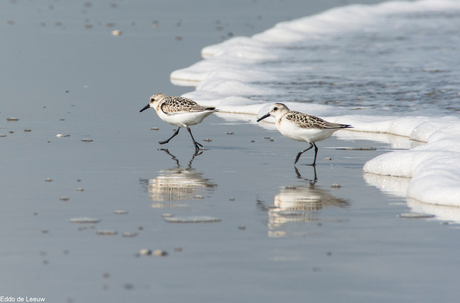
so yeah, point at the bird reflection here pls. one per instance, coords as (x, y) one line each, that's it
(178, 183)
(298, 204)
(299, 176)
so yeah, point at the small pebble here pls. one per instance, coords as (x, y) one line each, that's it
(64, 199)
(129, 235)
(116, 32)
(84, 220)
(241, 227)
(252, 141)
(145, 252)
(154, 128)
(107, 232)
(120, 212)
(48, 180)
(159, 253)
(328, 158)
(11, 132)
(86, 140)
(267, 138)
(230, 133)
(178, 249)
(12, 119)
(80, 189)
(2, 136)
(207, 140)
(27, 130)
(336, 186)
(191, 219)
(416, 216)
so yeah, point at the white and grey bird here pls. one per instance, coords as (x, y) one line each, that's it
(302, 127)
(179, 111)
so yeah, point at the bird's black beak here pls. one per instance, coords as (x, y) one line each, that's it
(263, 117)
(147, 106)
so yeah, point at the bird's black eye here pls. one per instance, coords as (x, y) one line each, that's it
(275, 108)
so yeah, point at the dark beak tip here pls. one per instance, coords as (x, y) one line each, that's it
(145, 107)
(263, 117)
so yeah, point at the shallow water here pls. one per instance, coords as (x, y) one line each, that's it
(280, 237)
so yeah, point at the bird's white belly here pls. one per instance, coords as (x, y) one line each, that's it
(184, 119)
(293, 131)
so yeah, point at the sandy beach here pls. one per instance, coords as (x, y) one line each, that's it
(237, 222)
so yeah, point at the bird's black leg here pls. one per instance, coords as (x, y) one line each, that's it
(197, 145)
(166, 141)
(299, 154)
(316, 153)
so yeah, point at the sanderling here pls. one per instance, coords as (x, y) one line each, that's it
(179, 111)
(302, 127)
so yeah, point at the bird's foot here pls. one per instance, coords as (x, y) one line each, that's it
(198, 145)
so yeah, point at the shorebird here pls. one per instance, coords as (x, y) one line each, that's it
(302, 127)
(179, 111)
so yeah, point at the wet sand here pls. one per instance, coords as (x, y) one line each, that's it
(274, 233)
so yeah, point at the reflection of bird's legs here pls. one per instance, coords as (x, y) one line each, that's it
(312, 144)
(172, 156)
(299, 176)
(197, 145)
(175, 134)
(197, 153)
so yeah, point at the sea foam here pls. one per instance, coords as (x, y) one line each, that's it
(385, 69)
